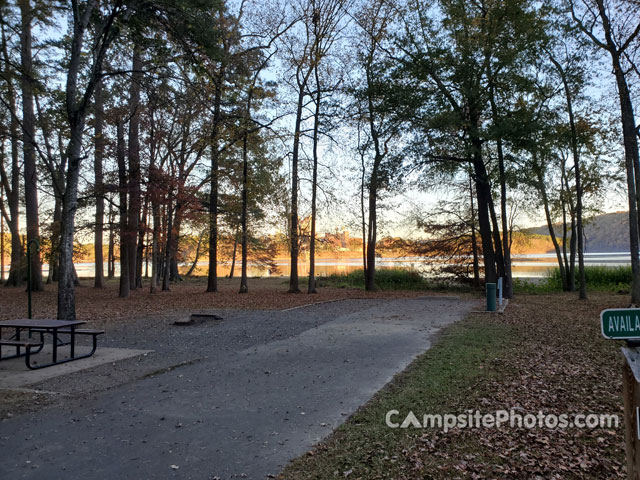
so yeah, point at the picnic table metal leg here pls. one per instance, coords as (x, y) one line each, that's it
(55, 345)
(73, 342)
(27, 351)
(95, 345)
(55, 362)
(17, 338)
(27, 358)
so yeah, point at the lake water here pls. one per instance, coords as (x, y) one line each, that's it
(529, 265)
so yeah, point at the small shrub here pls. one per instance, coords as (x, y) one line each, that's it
(386, 279)
(599, 277)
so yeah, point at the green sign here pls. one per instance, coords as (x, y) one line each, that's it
(620, 323)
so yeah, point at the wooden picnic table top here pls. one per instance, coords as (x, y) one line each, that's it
(39, 323)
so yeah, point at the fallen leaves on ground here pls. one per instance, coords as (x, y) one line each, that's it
(560, 364)
(104, 305)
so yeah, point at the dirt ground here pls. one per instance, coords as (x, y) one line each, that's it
(102, 306)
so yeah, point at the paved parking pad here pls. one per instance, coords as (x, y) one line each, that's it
(237, 413)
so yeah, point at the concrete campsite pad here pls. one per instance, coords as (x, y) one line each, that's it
(14, 372)
(262, 388)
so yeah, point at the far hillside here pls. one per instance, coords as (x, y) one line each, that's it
(604, 233)
(531, 243)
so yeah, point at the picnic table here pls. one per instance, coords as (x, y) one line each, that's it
(58, 329)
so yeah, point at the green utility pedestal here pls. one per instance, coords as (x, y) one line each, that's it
(491, 297)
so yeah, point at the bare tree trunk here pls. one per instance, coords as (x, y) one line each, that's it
(219, 79)
(506, 250)
(176, 225)
(54, 260)
(195, 261)
(564, 194)
(570, 241)
(474, 240)
(545, 203)
(146, 250)
(565, 229)
(362, 212)
(99, 186)
(244, 287)
(67, 282)
(141, 248)
(212, 276)
(58, 182)
(294, 283)
(372, 233)
(570, 263)
(124, 228)
(174, 272)
(372, 230)
(154, 198)
(111, 260)
(504, 214)
(134, 165)
(16, 270)
(163, 241)
(576, 162)
(76, 108)
(483, 192)
(572, 256)
(314, 183)
(167, 253)
(12, 188)
(580, 231)
(233, 257)
(28, 140)
(155, 250)
(632, 162)
(496, 239)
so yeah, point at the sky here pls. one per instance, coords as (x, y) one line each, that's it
(395, 221)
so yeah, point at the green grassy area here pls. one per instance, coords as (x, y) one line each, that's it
(386, 279)
(600, 279)
(465, 355)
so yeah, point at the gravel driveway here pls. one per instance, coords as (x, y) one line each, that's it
(236, 398)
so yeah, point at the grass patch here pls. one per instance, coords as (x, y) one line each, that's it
(365, 447)
(535, 287)
(598, 279)
(386, 279)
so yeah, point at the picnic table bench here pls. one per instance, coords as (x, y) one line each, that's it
(53, 327)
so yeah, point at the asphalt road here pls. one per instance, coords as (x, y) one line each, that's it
(237, 399)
